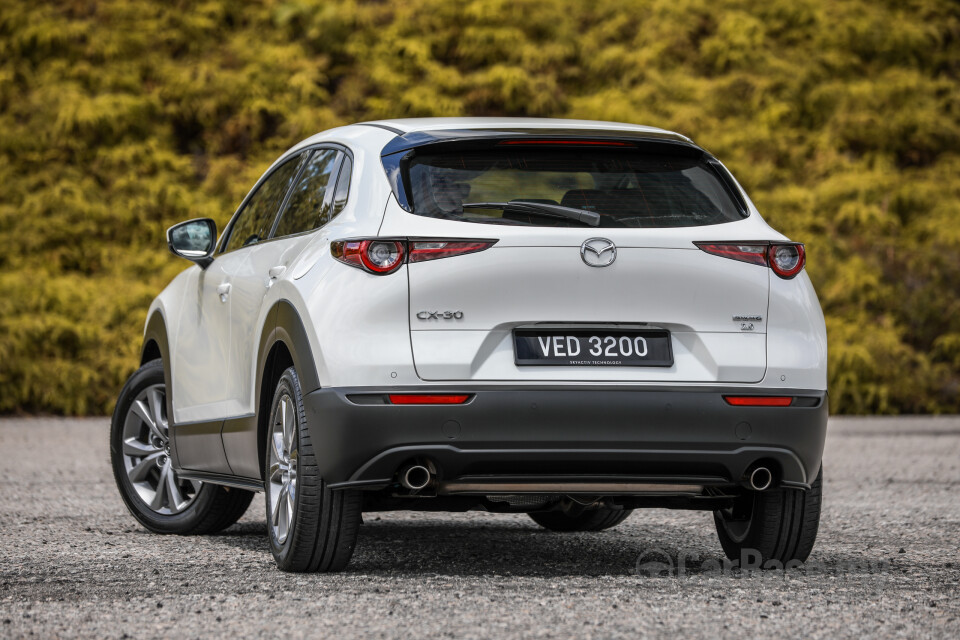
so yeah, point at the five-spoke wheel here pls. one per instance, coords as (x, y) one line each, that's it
(146, 455)
(140, 450)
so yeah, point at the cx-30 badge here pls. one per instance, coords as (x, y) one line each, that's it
(440, 315)
(598, 252)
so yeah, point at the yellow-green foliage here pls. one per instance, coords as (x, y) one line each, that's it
(117, 119)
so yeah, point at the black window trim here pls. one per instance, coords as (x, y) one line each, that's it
(336, 184)
(304, 154)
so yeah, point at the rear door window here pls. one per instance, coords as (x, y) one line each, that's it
(255, 220)
(311, 202)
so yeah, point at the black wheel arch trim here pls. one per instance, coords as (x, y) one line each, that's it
(243, 437)
(155, 344)
(240, 435)
(283, 324)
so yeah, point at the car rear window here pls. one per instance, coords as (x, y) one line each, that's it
(626, 187)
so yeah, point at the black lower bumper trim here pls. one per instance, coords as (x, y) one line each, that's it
(664, 435)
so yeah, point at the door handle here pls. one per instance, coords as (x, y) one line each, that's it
(223, 291)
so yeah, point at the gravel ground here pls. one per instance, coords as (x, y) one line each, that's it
(887, 562)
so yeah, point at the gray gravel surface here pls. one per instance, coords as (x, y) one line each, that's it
(887, 562)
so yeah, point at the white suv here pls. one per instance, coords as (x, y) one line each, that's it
(563, 318)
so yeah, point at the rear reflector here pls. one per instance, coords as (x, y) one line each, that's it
(419, 398)
(759, 401)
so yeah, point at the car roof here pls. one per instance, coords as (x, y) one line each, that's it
(412, 132)
(410, 125)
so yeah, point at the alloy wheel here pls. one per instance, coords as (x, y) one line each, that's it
(282, 484)
(146, 455)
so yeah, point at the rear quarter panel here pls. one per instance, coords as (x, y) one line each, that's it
(796, 335)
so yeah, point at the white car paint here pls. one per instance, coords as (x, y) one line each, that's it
(363, 330)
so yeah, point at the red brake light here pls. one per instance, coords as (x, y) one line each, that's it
(787, 259)
(745, 252)
(423, 398)
(583, 143)
(423, 250)
(759, 401)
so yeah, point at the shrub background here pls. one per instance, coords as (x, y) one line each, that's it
(117, 119)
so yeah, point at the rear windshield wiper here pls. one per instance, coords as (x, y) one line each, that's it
(582, 216)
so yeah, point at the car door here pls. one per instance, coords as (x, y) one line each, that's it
(309, 206)
(204, 355)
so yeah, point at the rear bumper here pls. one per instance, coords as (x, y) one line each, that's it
(670, 435)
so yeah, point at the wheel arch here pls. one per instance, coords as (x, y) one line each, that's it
(283, 343)
(156, 346)
(150, 351)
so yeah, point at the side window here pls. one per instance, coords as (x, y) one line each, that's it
(310, 202)
(254, 222)
(343, 186)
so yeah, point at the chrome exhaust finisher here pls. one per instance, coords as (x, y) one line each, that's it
(760, 479)
(415, 477)
(590, 488)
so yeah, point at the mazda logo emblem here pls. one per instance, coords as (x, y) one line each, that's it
(598, 252)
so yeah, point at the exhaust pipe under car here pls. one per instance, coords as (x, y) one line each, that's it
(760, 479)
(415, 477)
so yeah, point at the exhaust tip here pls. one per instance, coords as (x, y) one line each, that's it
(415, 477)
(760, 479)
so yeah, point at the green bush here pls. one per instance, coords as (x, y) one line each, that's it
(119, 118)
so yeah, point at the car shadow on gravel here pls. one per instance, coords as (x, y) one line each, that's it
(506, 548)
(470, 549)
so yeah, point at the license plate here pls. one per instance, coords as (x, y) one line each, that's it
(593, 348)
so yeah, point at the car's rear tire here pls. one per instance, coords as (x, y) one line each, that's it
(140, 456)
(594, 520)
(310, 527)
(772, 528)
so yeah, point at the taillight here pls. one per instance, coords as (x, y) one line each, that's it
(376, 256)
(759, 401)
(785, 258)
(381, 256)
(423, 250)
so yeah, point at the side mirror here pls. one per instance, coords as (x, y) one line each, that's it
(194, 240)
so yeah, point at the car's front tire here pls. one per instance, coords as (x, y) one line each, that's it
(595, 520)
(140, 455)
(772, 528)
(310, 527)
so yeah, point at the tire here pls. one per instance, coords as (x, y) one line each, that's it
(779, 526)
(143, 470)
(596, 520)
(310, 527)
